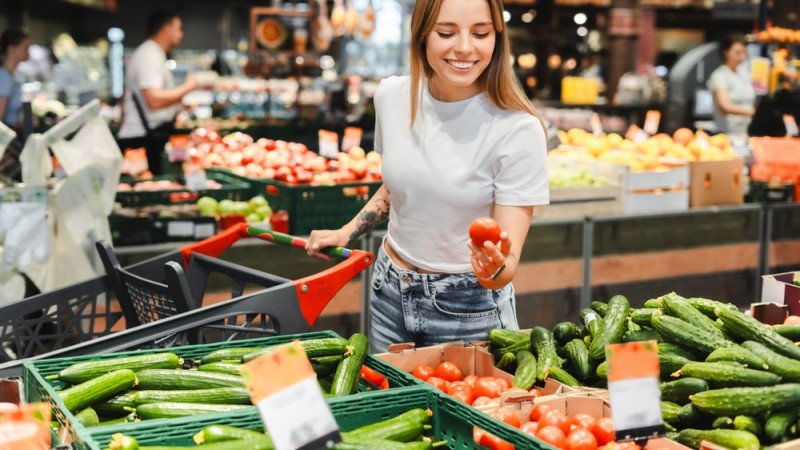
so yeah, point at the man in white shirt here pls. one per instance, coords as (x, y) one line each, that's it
(150, 80)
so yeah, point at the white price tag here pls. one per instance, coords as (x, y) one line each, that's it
(635, 405)
(297, 417)
(328, 144)
(180, 228)
(791, 125)
(196, 181)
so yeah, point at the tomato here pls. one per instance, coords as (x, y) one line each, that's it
(551, 435)
(792, 320)
(493, 442)
(507, 415)
(423, 371)
(488, 386)
(530, 428)
(583, 420)
(470, 379)
(457, 386)
(447, 370)
(372, 376)
(581, 439)
(538, 411)
(484, 229)
(438, 383)
(464, 395)
(556, 418)
(503, 382)
(481, 401)
(603, 431)
(627, 445)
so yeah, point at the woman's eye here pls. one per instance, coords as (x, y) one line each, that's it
(480, 35)
(445, 35)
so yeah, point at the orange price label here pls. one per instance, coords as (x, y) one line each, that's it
(284, 388)
(352, 138)
(633, 376)
(651, 121)
(328, 143)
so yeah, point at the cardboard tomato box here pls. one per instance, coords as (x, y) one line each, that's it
(780, 288)
(716, 182)
(470, 359)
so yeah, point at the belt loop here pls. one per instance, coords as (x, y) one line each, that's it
(424, 280)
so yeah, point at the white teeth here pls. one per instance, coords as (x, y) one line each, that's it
(461, 64)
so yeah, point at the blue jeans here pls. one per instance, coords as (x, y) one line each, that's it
(429, 309)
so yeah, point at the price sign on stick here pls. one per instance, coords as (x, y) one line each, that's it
(651, 121)
(597, 127)
(195, 176)
(328, 144)
(285, 390)
(633, 389)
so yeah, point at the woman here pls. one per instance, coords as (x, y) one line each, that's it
(14, 46)
(734, 97)
(459, 140)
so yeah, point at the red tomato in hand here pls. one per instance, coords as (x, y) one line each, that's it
(447, 370)
(484, 229)
(423, 372)
(581, 439)
(603, 431)
(551, 435)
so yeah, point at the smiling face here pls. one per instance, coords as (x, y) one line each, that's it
(459, 48)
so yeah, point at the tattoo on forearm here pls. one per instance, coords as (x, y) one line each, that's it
(368, 220)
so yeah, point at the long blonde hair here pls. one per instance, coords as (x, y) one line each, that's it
(497, 82)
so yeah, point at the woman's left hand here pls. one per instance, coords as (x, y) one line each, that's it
(489, 261)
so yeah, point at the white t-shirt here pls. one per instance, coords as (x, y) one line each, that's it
(740, 91)
(146, 69)
(457, 160)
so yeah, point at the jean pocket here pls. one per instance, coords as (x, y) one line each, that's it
(465, 303)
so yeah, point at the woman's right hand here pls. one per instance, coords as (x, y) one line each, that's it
(320, 239)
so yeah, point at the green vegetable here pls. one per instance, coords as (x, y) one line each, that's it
(725, 375)
(228, 354)
(787, 368)
(543, 345)
(677, 306)
(679, 391)
(748, 423)
(404, 427)
(675, 349)
(221, 367)
(559, 374)
(733, 439)
(613, 329)
(174, 409)
(669, 363)
(500, 337)
(566, 331)
(739, 354)
(345, 380)
(165, 379)
(222, 433)
(116, 406)
(578, 357)
(600, 308)
(680, 332)
(89, 392)
(525, 375)
(669, 412)
(747, 400)
(84, 371)
(791, 332)
(507, 361)
(748, 328)
(591, 320)
(778, 422)
(641, 316)
(226, 395)
(641, 335)
(724, 422)
(88, 417)
(709, 307)
(312, 347)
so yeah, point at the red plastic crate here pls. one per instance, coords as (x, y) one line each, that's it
(776, 158)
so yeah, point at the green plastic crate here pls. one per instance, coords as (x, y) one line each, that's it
(313, 207)
(39, 389)
(452, 421)
(231, 189)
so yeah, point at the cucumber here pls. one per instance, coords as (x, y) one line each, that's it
(613, 328)
(723, 422)
(578, 357)
(787, 368)
(732, 439)
(405, 427)
(632, 326)
(791, 332)
(669, 363)
(566, 331)
(221, 367)
(88, 417)
(507, 361)
(97, 389)
(325, 365)
(747, 400)
(165, 379)
(225, 396)
(84, 371)
(679, 391)
(513, 348)
(600, 308)
(641, 335)
(725, 375)
(739, 354)
(641, 316)
(748, 423)
(383, 444)
(591, 321)
(118, 405)
(777, 424)
(165, 410)
(669, 412)
(525, 375)
(131, 417)
(679, 307)
(313, 347)
(602, 370)
(121, 441)
(680, 332)
(228, 354)
(500, 337)
(345, 380)
(691, 416)
(559, 374)
(675, 349)
(543, 345)
(709, 307)
(748, 328)
(653, 303)
(222, 433)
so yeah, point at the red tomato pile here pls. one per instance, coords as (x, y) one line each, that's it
(471, 389)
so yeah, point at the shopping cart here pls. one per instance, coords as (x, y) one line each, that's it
(80, 321)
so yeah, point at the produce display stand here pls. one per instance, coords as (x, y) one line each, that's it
(83, 323)
(40, 389)
(230, 189)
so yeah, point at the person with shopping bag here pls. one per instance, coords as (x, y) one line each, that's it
(151, 99)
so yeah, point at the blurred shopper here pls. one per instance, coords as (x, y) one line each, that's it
(14, 49)
(149, 82)
(459, 140)
(734, 97)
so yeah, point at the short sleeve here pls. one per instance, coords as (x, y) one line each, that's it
(716, 81)
(521, 165)
(149, 71)
(6, 84)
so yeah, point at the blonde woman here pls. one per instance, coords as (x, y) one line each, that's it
(459, 140)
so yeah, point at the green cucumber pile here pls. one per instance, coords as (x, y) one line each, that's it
(402, 432)
(157, 386)
(725, 377)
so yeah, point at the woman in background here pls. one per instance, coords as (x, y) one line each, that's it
(14, 48)
(734, 97)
